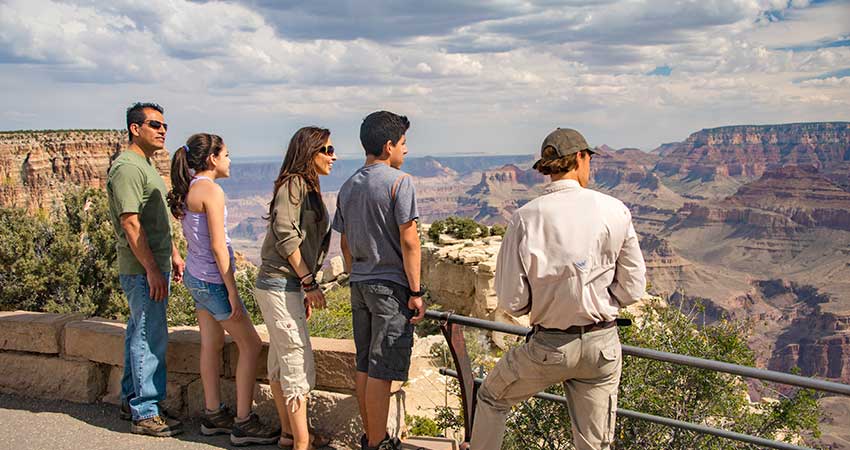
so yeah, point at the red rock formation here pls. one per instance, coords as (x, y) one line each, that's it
(717, 156)
(36, 167)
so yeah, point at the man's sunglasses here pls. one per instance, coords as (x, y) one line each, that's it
(155, 124)
(328, 150)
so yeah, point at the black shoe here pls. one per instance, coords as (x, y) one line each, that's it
(218, 422)
(364, 442)
(252, 431)
(157, 426)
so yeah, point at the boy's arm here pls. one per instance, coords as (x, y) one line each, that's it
(411, 255)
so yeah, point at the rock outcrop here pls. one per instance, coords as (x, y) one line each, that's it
(36, 167)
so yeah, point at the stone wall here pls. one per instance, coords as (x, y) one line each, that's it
(68, 357)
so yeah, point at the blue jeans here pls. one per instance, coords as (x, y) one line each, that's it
(143, 383)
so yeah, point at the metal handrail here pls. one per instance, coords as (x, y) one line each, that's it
(697, 428)
(692, 361)
(469, 385)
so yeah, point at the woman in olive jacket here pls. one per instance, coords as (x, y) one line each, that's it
(286, 290)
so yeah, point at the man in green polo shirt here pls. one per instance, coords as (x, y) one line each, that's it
(147, 257)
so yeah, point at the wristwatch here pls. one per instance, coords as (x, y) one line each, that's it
(421, 292)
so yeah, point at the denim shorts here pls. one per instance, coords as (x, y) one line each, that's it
(211, 297)
(383, 334)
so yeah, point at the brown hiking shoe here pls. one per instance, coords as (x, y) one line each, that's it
(157, 426)
(252, 431)
(217, 422)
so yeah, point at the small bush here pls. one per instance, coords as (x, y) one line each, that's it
(422, 426)
(458, 227)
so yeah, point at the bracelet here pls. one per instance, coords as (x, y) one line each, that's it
(308, 274)
(310, 287)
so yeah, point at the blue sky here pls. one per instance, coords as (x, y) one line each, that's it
(492, 77)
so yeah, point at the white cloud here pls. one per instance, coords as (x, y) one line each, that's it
(516, 62)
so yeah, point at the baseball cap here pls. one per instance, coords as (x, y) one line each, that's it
(565, 141)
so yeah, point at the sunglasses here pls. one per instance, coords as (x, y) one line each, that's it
(328, 150)
(155, 124)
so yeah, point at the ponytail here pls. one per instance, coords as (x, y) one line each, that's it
(192, 156)
(180, 179)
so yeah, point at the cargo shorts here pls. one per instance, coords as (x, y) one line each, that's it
(290, 359)
(383, 334)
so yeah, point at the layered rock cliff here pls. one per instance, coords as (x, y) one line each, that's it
(711, 160)
(36, 167)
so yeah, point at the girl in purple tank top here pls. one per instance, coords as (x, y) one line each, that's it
(198, 202)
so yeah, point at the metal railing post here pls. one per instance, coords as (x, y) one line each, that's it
(468, 389)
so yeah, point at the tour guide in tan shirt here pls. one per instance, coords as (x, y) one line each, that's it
(570, 259)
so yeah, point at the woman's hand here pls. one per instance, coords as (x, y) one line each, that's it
(236, 308)
(314, 299)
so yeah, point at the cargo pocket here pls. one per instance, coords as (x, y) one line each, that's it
(499, 380)
(611, 426)
(290, 334)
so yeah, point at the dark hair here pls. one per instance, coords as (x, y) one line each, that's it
(193, 156)
(136, 114)
(550, 163)
(378, 128)
(298, 162)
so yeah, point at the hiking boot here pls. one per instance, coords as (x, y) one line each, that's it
(125, 413)
(157, 426)
(252, 431)
(217, 422)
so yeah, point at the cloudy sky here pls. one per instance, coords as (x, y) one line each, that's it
(474, 77)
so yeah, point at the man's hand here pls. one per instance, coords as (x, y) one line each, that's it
(177, 267)
(307, 308)
(415, 303)
(158, 285)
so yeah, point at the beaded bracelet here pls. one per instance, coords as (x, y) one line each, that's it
(310, 287)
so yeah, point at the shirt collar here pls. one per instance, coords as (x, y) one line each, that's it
(561, 185)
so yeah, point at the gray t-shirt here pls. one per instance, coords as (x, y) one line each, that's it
(370, 207)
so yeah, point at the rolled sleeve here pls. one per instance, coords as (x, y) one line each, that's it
(127, 186)
(287, 216)
(511, 282)
(629, 284)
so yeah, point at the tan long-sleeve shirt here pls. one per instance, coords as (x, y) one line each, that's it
(570, 257)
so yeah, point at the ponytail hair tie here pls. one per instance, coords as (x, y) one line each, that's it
(185, 148)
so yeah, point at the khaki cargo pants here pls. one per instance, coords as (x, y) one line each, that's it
(588, 365)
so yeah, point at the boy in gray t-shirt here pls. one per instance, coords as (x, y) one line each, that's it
(376, 215)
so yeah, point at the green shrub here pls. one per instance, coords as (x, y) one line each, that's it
(458, 227)
(422, 426)
(335, 320)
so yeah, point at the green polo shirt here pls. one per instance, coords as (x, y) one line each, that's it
(135, 186)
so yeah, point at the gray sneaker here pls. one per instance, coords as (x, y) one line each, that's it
(157, 426)
(252, 431)
(390, 444)
(218, 422)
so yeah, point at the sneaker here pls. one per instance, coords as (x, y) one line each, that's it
(157, 426)
(217, 422)
(125, 413)
(387, 444)
(252, 431)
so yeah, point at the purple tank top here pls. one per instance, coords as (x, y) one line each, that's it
(200, 261)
